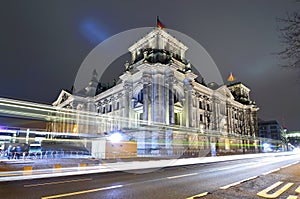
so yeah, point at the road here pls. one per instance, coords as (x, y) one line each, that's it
(176, 182)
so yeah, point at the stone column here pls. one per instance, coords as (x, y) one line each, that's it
(127, 102)
(146, 90)
(91, 122)
(162, 99)
(154, 99)
(166, 101)
(171, 99)
(188, 103)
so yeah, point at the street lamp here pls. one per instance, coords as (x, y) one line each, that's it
(116, 137)
(285, 139)
(210, 147)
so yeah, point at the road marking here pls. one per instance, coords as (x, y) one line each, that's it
(198, 196)
(264, 193)
(82, 192)
(286, 166)
(181, 176)
(251, 178)
(8, 174)
(235, 166)
(289, 165)
(230, 185)
(58, 182)
(298, 190)
(237, 183)
(292, 197)
(274, 170)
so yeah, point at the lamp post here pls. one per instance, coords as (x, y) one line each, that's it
(207, 115)
(285, 139)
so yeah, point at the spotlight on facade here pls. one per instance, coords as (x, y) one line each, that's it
(201, 128)
(115, 137)
(267, 147)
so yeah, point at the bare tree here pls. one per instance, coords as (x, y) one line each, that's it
(290, 38)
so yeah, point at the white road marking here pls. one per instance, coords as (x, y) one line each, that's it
(237, 183)
(181, 176)
(289, 165)
(274, 170)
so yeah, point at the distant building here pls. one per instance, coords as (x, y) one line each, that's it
(271, 132)
(269, 129)
(294, 138)
(158, 85)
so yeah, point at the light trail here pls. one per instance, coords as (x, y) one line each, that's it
(48, 113)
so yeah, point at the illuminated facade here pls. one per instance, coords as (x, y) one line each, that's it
(159, 86)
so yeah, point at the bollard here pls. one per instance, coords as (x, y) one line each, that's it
(57, 168)
(27, 170)
(82, 165)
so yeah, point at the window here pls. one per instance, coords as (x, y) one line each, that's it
(117, 106)
(262, 128)
(103, 109)
(200, 105)
(208, 107)
(177, 119)
(176, 97)
(222, 109)
(141, 96)
(273, 127)
(201, 118)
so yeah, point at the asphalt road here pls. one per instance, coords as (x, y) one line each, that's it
(177, 182)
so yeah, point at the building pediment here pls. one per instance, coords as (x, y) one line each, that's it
(62, 97)
(223, 90)
(139, 104)
(178, 104)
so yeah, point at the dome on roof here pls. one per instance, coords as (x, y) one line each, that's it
(213, 85)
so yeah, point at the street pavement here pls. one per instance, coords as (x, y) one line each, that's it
(44, 168)
(218, 179)
(280, 184)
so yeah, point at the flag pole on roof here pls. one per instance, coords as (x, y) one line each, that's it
(159, 24)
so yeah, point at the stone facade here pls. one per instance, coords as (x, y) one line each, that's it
(159, 87)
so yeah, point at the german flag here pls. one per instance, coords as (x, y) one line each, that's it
(231, 78)
(159, 24)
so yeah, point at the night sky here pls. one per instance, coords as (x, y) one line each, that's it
(43, 44)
